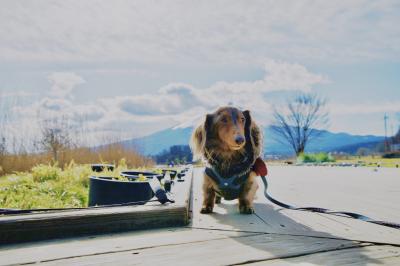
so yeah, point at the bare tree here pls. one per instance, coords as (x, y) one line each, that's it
(55, 136)
(296, 123)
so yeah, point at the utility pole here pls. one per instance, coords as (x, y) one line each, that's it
(385, 118)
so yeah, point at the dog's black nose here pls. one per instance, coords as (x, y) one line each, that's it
(239, 140)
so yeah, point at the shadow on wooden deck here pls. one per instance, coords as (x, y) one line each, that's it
(303, 246)
(273, 236)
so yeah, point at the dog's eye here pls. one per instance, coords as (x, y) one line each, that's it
(224, 120)
(242, 119)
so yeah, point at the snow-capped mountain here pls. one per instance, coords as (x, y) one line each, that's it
(180, 135)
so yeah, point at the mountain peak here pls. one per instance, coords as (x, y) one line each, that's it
(189, 123)
(180, 135)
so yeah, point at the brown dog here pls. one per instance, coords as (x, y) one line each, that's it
(230, 142)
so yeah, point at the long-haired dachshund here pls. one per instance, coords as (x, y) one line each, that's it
(230, 143)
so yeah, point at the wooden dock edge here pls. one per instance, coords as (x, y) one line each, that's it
(63, 224)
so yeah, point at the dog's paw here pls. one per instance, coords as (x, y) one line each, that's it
(207, 209)
(217, 200)
(246, 210)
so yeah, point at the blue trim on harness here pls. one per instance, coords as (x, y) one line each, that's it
(228, 187)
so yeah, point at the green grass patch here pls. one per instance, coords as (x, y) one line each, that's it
(371, 161)
(46, 186)
(49, 186)
(321, 157)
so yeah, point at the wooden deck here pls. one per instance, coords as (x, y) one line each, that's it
(269, 237)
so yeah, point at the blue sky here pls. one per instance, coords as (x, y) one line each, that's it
(130, 68)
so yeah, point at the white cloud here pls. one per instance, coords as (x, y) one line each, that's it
(56, 105)
(16, 94)
(179, 102)
(365, 108)
(175, 103)
(62, 83)
(218, 32)
(171, 99)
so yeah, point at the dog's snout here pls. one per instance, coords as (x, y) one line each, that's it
(239, 140)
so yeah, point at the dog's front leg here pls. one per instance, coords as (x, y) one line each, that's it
(246, 197)
(217, 199)
(208, 196)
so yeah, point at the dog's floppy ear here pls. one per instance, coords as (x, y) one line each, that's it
(199, 137)
(252, 132)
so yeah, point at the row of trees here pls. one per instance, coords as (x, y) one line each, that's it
(177, 154)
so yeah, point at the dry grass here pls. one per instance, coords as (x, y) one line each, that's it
(371, 161)
(10, 163)
(36, 181)
(113, 153)
(49, 186)
(46, 186)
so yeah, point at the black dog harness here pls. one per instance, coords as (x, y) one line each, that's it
(228, 187)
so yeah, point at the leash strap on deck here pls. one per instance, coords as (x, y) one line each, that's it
(326, 211)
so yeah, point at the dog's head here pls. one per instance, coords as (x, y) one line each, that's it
(226, 129)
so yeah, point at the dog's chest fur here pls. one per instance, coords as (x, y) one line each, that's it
(227, 165)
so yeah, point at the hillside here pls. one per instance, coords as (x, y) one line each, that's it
(327, 141)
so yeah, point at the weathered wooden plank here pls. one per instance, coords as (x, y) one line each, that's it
(56, 250)
(313, 224)
(296, 185)
(27, 227)
(369, 255)
(270, 218)
(226, 251)
(360, 190)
